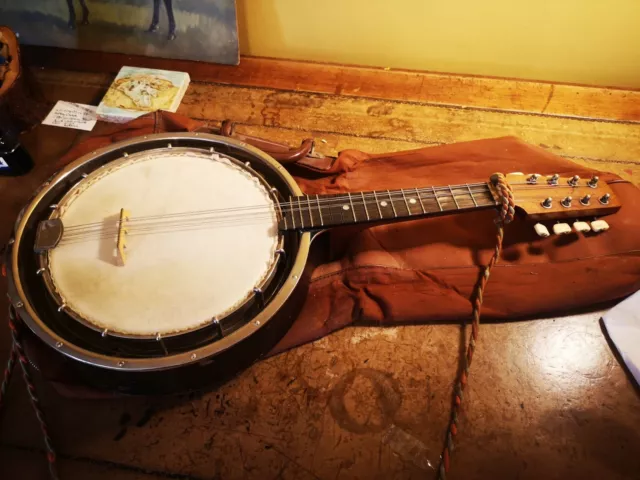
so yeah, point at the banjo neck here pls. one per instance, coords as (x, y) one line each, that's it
(312, 212)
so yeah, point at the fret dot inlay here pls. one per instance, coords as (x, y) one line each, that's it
(412, 201)
(383, 203)
(345, 207)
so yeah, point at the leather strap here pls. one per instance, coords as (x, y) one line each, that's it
(304, 155)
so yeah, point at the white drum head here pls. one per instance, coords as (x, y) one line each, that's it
(202, 234)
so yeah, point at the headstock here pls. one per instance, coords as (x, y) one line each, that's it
(552, 197)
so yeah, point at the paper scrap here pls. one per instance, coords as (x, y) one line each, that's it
(72, 115)
(623, 326)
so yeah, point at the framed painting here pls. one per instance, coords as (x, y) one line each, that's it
(204, 30)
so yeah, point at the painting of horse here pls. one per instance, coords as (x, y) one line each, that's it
(190, 29)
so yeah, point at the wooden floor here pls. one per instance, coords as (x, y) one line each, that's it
(547, 398)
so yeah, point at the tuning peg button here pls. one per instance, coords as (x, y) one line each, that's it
(541, 230)
(547, 202)
(581, 227)
(561, 228)
(599, 226)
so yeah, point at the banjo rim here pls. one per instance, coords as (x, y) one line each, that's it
(28, 313)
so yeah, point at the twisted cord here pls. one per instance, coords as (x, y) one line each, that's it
(505, 215)
(31, 388)
(8, 372)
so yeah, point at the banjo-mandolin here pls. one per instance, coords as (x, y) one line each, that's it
(169, 261)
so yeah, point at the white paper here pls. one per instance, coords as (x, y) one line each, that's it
(72, 115)
(623, 325)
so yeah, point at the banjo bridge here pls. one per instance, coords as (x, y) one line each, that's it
(122, 239)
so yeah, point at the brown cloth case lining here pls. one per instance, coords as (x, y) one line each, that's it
(424, 270)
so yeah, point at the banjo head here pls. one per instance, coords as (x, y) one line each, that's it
(201, 234)
(170, 255)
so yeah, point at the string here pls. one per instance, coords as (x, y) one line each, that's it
(285, 207)
(324, 200)
(190, 224)
(265, 211)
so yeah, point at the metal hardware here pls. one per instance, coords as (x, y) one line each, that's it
(604, 200)
(547, 202)
(533, 178)
(40, 271)
(121, 363)
(48, 235)
(104, 332)
(62, 307)
(573, 181)
(257, 323)
(566, 201)
(18, 304)
(586, 200)
(59, 344)
(554, 179)
(593, 183)
(193, 356)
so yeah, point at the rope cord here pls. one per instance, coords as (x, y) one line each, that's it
(18, 348)
(505, 215)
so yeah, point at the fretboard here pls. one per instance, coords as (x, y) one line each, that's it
(310, 212)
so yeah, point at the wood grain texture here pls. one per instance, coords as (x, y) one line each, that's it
(377, 126)
(409, 86)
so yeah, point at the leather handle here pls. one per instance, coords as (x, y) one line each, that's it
(283, 153)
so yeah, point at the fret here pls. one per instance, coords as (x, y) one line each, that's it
(471, 195)
(293, 218)
(435, 194)
(420, 200)
(353, 210)
(405, 201)
(310, 211)
(283, 215)
(300, 212)
(395, 214)
(364, 202)
(375, 197)
(454, 197)
(319, 210)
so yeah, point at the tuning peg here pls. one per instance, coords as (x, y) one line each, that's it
(566, 202)
(605, 199)
(541, 230)
(593, 183)
(547, 202)
(581, 227)
(599, 226)
(553, 180)
(561, 228)
(585, 200)
(533, 178)
(573, 181)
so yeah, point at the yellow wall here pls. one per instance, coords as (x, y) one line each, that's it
(579, 41)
